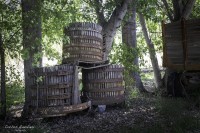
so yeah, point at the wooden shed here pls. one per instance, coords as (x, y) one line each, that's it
(181, 45)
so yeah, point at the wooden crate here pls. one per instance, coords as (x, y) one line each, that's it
(104, 85)
(54, 91)
(85, 43)
(181, 45)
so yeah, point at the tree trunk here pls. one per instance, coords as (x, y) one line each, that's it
(188, 9)
(154, 61)
(129, 38)
(32, 35)
(3, 81)
(110, 26)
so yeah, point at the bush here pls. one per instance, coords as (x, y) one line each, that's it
(14, 93)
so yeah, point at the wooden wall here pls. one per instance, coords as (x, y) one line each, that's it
(181, 45)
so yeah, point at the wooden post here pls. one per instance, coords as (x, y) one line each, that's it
(75, 92)
(184, 43)
(3, 86)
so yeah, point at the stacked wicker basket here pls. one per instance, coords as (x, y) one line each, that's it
(101, 84)
(85, 43)
(55, 90)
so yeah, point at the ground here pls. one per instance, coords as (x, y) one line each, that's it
(143, 114)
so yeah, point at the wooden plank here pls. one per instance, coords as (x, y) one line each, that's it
(61, 96)
(184, 38)
(105, 89)
(52, 73)
(61, 110)
(108, 70)
(75, 93)
(105, 80)
(175, 49)
(193, 44)
(59, 86)
(193, 22)
(193, 66)
(173, 39)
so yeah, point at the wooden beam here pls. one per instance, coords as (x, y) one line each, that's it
(184, 42)
(75, 91)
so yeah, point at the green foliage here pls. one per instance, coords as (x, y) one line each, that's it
(152, 10)
(147, 76)
(14, 86)
(14, 93)
(122, 54)
(55, 16)
(10, 27)
(196, 10)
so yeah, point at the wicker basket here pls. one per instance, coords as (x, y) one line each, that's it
(104, 85)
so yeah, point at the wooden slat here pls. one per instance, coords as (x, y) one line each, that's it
(106, 89)
(61, 96)
(105, 80)
(59, 86)
(62, 110)
(76, 95)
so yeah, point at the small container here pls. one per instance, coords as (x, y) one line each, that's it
(101, 108)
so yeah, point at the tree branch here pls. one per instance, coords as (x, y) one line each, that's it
(177, 10)
(169, 11)
(99, 12)
(109, 30)
(188, 8)
(118, 13)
